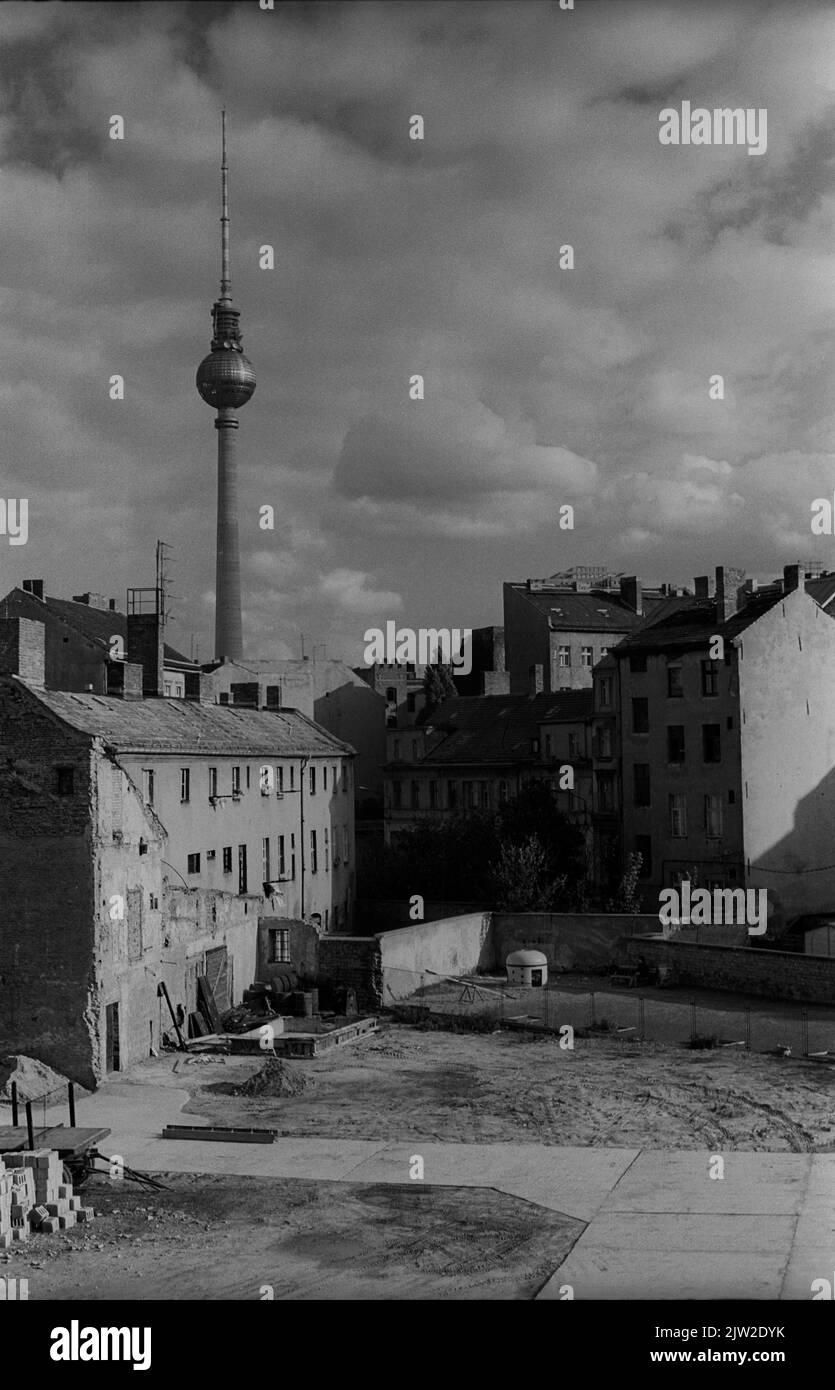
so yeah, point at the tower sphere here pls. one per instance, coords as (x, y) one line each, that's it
(225, 379)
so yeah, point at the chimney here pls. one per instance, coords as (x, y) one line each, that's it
(701, 586)
(22, 648)
(728, 582)
(33, 587)
(145, 638)
(92, 601)
(125, 679)
(793, 578)
(536, 679)
(631, 593)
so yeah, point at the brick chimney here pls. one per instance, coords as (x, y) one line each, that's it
(793, 578)
(22, 649)
(631, 592)
(701, 586)
(536, 679)
(728, 581)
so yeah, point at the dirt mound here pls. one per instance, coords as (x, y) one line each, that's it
(276, 1078)
(33, 1078)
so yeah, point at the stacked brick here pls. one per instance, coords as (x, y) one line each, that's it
(33, 1195)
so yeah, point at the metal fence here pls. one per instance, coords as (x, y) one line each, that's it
(658, 1016)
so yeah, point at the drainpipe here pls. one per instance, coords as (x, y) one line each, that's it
(302, 771)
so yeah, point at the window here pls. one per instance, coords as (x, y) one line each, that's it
(604, 742)
(223, 697)
(212, 781)
(314, 858)
(643, 846)
(484, 795)
(326, 849)
(327, 919)
(675, 687)
(452, 795)
(325, 778)
(675, 743)
(227, 859)
(396, 747)
(266, 873)
(396, 796)
(678, 815)
(573, 745)
(586, 656)
(503, 791)
(185, 784)
(729, 722)
(292, 777)
(293, 855)
(336, 777)
(247, 776)
(604, 692)
(731, 798)
(193, 863)
(312, 779)
(279, 779)
(710, 677)
(210, 856)
(564, 656)
(711, 743)
(236, 781)
(273, 696)
(637, 665)
(640, 715)
(469, 800)
(605, 791)
(411, 703)
(415, 786)
(433, 795)
(415, 750)
(640, 784)
(241, 868)
(547, 745)
(166, 687)
(279, 944)
(713, 817)
(281, 862)
(148, 785)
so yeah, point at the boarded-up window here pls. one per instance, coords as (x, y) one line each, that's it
(217, 972)
(133, 914)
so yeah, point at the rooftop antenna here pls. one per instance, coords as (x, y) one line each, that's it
(225, 272)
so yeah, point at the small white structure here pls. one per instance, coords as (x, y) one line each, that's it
(527, 968)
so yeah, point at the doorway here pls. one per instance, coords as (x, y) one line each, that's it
(111, 1037)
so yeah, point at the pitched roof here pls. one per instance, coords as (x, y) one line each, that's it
(599, 610)
(100, 624)
(689, 623)
(499, 728)
(187, 727)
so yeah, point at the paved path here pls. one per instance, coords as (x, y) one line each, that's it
(658, 1225)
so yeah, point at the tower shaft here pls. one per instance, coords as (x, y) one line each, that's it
(228, 628)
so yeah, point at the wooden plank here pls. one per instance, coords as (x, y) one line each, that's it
(68, 1141)
(207, 1003)
(221, 1135)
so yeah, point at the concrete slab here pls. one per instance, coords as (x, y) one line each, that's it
(671, 1181)
(659, 1275)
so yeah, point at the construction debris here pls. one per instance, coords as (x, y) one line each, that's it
(33, 1195)
(276, 1078)
(33, 1078)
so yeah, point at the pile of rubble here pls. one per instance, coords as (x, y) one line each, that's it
(34, 1196)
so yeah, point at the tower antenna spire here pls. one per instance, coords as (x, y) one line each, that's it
(225, 274)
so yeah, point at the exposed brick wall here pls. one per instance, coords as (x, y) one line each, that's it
(304, 949)
(773, 974)
(22, 649)
(47, 890)
(353, 961)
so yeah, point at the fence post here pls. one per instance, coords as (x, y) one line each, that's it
(804, 1026)
(748, 1029)
(692, 1020)
(14, 1103)
(641, 1018)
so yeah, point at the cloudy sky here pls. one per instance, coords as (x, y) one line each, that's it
(544, 386)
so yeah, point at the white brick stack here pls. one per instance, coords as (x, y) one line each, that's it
(33, 1193)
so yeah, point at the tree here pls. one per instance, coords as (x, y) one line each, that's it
(627, 898)
(438, 684)
(521, 879)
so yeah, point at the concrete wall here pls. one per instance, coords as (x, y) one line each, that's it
(354, 961)
(772, 974)
(786, 665)
(453, 946)
(199, 825)
(571, 941)
(381, 915)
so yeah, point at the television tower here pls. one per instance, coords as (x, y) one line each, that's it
(226, 380)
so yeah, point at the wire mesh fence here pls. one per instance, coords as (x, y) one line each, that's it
(652, 1016)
